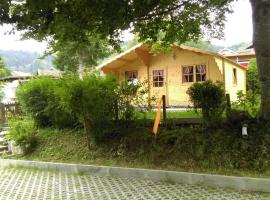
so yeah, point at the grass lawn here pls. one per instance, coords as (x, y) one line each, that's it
(171, 114)
(70, 147)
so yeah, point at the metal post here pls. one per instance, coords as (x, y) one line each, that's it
(164, 110)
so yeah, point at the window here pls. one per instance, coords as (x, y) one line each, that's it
(158, 78)
(131, 76)
(194, 71)
(234, 76)
(200, 73)
(187, 74)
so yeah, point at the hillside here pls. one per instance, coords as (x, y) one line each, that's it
(25, 61)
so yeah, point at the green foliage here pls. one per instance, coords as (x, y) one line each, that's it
(92, 100)
(253, 83)
(65, 20)
(249, 103)
(69, 54)
(210, 98)
(3, 70)
(193, 148)
(218, 147)
(23, 133)
(40, 98)
(131, 98)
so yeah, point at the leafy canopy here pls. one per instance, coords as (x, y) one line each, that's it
(72, 20)
(69, 54)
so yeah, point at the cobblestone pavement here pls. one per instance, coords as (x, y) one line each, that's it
(20, 183)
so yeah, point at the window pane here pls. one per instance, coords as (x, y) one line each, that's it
(188, 70)
(155, 78)
(203, 77)
(234, 76)
(158, 78)
(131, 75)
(201, 69)
(190, 78)
(187, 74)
(198, 77)
(200, 73)
(185, 78)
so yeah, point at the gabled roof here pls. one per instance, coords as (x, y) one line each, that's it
(242, 53)
(226, 51)
(130, 55)
(123, 57)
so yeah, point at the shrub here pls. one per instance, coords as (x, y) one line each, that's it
(131, 98)
(23, 133)
(210, 98)
(41, 98)
(249, 103)
(216, 148)
(253, 82)
(91, 100)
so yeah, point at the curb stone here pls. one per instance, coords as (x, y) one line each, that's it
(232, 182)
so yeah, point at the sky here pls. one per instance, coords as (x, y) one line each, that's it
(238, 28)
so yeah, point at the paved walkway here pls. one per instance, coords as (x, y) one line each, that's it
(20, 183)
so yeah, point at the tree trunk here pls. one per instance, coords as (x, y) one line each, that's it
(261, 42)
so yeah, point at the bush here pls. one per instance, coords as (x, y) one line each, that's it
(248, 103)
(41, 98)
(253, 82)
(23, 133)
(131, 98)
(92, 100)
(216, 148)
(210, 98)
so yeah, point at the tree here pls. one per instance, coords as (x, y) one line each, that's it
(3, 70)
(166, 21)
(261, 42)
(176, 20)
(75, 56)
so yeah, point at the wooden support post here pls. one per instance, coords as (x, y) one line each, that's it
(164, 110)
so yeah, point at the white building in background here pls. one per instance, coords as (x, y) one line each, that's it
(10, 84)
(9, 90)
(50, 72)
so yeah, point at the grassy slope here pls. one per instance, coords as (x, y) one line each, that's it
(70, 146)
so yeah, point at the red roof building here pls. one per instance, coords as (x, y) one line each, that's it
(241, 57)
